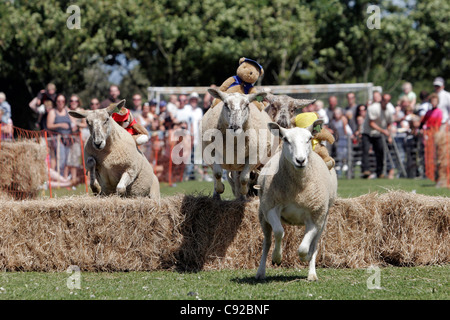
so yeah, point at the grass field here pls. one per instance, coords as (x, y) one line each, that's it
(431, 282)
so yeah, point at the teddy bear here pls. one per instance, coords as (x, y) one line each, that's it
(126, 120)
(310, 120)
(246, 76)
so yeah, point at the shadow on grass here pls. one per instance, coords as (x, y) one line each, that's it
(278, 278)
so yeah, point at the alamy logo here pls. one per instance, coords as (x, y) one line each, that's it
(74, 20)
(374, 20)
(74, 281)
(374, 281)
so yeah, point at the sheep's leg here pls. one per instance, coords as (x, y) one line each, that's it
(90, 167)
(244, 178)
(312, 276)
(124, 182)
(273, 218)
(311, 231)
(267, 242)
(218, 185)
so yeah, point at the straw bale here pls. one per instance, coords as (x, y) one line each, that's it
(23, 168)
(195, 232)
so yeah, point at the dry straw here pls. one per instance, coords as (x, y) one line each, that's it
(190, 233)
(23, 168)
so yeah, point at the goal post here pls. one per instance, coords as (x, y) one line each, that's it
(363, 91)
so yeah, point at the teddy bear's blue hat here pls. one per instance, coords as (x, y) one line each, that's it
(254, 62)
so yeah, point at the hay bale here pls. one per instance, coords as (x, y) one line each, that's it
(23, 168)
(190, 233)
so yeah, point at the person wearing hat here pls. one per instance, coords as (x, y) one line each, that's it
(444, 99)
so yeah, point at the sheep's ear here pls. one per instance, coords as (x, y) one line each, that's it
(254, 96)
(276, 129)
(115, 107)
(270, 97)
(316, 127)
(300, 103)
(80, 114)
(216, 93)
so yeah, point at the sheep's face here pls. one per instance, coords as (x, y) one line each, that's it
(235, 108)
(296, 144)
(99, 123)
(282, 108)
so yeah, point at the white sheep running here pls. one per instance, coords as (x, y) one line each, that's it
(112, 158)
(300, 191)
(244, 122)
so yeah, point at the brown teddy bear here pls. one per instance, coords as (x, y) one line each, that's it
(310, 120)
(246, 76)
(126, 120)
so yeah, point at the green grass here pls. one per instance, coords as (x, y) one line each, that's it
(346, 188)
(337, 284)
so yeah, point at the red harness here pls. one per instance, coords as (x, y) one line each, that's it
(120, 119)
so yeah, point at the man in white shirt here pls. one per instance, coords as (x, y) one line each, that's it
(444, 99)
(379, 117)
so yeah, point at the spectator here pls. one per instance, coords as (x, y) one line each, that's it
(361, 112)
(184, 112)
(424, 105)
(318, 107)
(145, 118)
(343, 132)
(197, 114)
(94, 104)
(137, 104)
(152, 110)
(114, 94)
(49, 94)
(58, 120)
(351, 104)
(376, 123)
(332, 104)
(163, 113)
(42, 104)
(74, 153)
(444, 99)
(5, 111)
(408, 93)
(172, 106)
(433, 117)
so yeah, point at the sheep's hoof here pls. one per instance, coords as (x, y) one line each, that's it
(260, 276)
(121, 191)
(276, 259)
(274, 263)
(312, 277)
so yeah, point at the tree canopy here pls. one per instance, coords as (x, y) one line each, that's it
(184, 42)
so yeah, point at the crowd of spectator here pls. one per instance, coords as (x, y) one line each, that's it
(374, 124)
(379, 126)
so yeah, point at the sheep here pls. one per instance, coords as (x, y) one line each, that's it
(282, 108)
(300, 192)
(111, 156)
(242, 119)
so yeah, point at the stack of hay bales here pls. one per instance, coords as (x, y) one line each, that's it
(442, 141)
(24, 169)
(190, 233)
